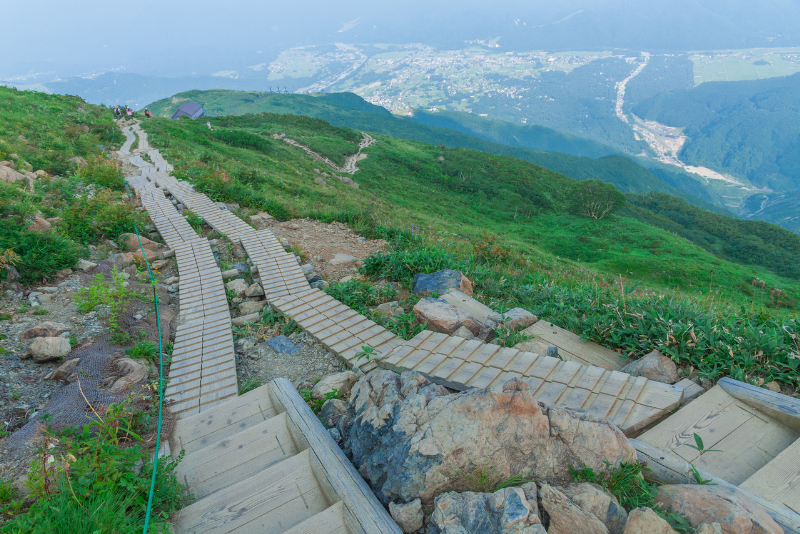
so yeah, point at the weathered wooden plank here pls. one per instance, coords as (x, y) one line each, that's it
(572, 347)
(331, 521)
(782, 408)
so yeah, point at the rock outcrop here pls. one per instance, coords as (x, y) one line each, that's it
(654, 366)
(441, 316)
(601, 504)
(506, 511)
(409, 436)
(440, 281)
(566, 517)
(45, 349)
(341, 382)
(44, 329)
(646, 521)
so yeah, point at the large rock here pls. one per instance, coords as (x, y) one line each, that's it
(601, 504)
(646, 521)
(45, 349)
(409, 436)
(442, 316)
(506, 511)
(515, 318)
(238, 286)
(566, 517)
(38, 224)
(332, 412)
(342, 382)
(654, 366)
(254, 290)
(408, 516)
(733, 510)
(131, 372)
(151, 255)
(282, 344)
(130, 243)
(9, 175)
(440, 281)
(252, 306)
(45, 329)
(65, 369)
(121, 260)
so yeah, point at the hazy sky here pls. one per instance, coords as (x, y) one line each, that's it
(178, 37)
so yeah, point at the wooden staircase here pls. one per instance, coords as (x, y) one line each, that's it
(754, 433)
(263, 463)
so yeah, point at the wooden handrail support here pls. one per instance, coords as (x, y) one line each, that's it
(363, 513)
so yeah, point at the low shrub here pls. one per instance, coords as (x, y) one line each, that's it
(402, 265)
(103, 216)
(103, 172)
(40, 254)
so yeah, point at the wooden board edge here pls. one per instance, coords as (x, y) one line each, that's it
(360, 503)
(669, 469)
(783, 408)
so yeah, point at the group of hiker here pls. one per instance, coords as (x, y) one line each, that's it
(129, 112)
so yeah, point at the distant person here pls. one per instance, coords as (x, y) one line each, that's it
(148, 114)
(283, 134)
(208, 123)
(117, 112)
(129, 112)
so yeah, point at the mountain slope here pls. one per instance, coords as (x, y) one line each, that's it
(350, 110)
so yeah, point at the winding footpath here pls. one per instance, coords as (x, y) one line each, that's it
(350, 162)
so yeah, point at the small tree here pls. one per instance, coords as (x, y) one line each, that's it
(594, 198)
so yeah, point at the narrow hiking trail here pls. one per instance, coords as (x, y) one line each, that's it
(350, 162)
(263, 462)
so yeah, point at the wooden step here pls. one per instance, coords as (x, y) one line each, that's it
(573, 348)
(331, 521)
(269, 502)
(224, 420)
(746, 438)
(779, 480)
(237, 457)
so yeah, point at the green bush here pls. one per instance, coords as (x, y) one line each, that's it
(244, 139)
(103, 172)
(594, 199)
(402, 265)
(104, 216)
(41, 254)
(361, 295)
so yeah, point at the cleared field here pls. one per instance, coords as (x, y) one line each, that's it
(736, 65)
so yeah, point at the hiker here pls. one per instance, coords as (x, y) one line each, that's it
(117, 112)
(128, 111)
(208, 123)
(148, 114)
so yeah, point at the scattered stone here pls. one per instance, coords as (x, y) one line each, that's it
(307, 268)
(464, 332)
(130, 243)
(408, 516)
(44, 329)
(409, 435)
(172, 280)
(131, 372)
(566, 517)
(320, 181)
(342, 258)
(514, 318)
(441, 316)
(691, 390)
(313, 277)
(282, 345)
(440, 282)
(149, 254)
(332, 412)
(85, 265)
(242, 267)
(654, 366)
(509, 510)
(362, 239)
(244, 344)
(63, 273)
(79, 161)
(646, 521)
(159, 264)
(342, 382)
(244, 319)
(346, 279)
(121, 260)
(318, 284)
(733, 510)
(65, 369)
(237, 286)
(390, 309)
(710, 528)
(254, 290)
(9, 175)
(601, 504)
(38, 224)
(773, 386)
(250, 306)
(45, 349)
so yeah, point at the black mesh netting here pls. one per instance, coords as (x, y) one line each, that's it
(68, 405)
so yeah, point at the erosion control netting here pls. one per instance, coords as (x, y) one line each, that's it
(96, 371)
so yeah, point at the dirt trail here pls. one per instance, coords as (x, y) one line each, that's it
(350, 163)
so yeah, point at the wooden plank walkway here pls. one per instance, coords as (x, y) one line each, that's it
(263, 463)
(572, 348)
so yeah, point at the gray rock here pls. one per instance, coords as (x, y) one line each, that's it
(566, 517)
(120, 260)
(242, 267)
(506, 511)
(440, 282)
(238, 286)
(464, 332)
(65, 369)
(362, 239)
(313, 277)
(86, 265)
(307, 268)
(44, 329)
(283, 345)
(408, 516)
(441, 316)
(342, 382)
(595, 500)
(341, 259)
(390, 309)
(332, 412)
(654, 366)
(335, 434)
(408, 436)
(45, 349)
(254, 290)
(646, 521)
(319, 284)
(515, 318)
(709, 528)
(245, 344)
(252, 306)
(691, 390)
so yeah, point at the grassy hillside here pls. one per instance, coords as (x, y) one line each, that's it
(350, 110)
(457, 194)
